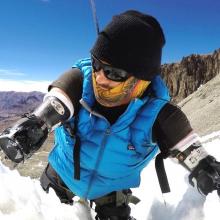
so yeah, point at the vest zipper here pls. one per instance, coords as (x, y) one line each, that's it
(101, 151)
(102, 147)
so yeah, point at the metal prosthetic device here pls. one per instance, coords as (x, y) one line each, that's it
(204, 168)
(28, 134)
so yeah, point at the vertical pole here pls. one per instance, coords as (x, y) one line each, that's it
(95, 19)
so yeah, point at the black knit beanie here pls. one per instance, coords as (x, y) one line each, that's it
(132, 41)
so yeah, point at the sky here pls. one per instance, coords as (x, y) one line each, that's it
(41, 39)
(22, 198)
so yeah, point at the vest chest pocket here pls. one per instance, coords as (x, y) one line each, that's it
(131, 149)
(145, 148)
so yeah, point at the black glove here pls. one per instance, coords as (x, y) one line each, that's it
(24, 138)
(206, 176)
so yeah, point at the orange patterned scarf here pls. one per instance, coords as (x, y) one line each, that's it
(122, 94)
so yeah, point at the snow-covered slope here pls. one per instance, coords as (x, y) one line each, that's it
(22, 198)
(202, 107)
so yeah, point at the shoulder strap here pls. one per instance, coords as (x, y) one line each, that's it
(72, 82)
(161, 174)
(76, 154)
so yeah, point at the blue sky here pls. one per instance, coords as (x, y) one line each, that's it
(40, 39)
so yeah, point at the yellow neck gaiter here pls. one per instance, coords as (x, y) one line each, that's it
(121, 94)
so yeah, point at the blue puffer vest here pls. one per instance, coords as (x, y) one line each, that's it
(111, 156)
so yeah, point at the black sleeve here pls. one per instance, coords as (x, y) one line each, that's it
(71, 83)
(170, 127)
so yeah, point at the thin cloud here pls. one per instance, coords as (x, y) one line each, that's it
(23, 85)
(8, 72)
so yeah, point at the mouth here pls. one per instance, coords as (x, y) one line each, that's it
(103, 87)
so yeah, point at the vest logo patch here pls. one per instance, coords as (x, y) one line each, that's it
(131, 147)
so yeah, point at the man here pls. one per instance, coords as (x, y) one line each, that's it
(123, 117)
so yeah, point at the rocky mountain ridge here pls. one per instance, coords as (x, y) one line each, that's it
(186, 76)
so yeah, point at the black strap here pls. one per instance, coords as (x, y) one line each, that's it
(76, 148)
(161, 174)
(76, 157)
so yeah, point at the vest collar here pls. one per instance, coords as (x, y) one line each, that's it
(160, 91)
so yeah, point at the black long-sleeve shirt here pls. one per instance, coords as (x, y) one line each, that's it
(171, 124)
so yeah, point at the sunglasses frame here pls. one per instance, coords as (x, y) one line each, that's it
(111, 73)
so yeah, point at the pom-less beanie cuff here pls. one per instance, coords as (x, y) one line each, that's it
(132, 41)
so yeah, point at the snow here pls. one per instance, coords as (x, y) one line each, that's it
(22, 198)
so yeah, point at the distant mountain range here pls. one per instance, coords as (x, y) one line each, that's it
(14, 104)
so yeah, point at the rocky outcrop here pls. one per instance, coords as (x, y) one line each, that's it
(202, 107)
(187, 76)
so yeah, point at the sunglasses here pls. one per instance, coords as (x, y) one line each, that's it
(112, 73)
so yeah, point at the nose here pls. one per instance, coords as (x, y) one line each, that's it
(101, 79)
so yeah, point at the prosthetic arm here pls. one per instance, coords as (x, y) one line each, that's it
(28, 134)
(178, 141)
(204, 169)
